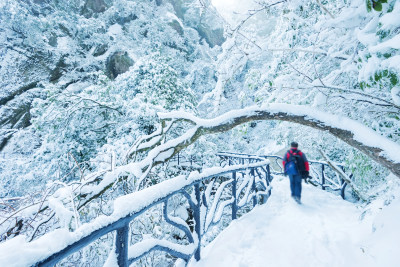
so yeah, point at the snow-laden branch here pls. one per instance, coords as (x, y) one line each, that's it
(357, 135)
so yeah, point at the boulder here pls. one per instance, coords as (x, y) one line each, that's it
(16, 114)
(204, 24)
(100, 50)
(59, 70)
(93, 6)
(118, 63)
(53, 40)
(176, 26)
(212, 36)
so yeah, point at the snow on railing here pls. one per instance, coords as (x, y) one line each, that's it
(321, 172)
(207, 194)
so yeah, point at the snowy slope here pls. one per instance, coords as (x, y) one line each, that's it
(323, 231)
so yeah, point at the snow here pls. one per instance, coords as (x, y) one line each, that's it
(115, 29)
(367, 36)
(233, 11)
(147, 244)
(387, 45)
(323, 231)
(63, 214)
(164, 155)
(63, 43)
(391, 20)
(112, 259)
(319, 100)
(383, 243)
(396, 95)
(370, 68)
(392, 63)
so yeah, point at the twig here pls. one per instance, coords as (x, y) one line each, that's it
(77, 164)
(304, 51)
(21, 209)
(308, 77)
(358, 93)
(40, 224)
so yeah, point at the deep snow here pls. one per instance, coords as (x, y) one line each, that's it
(323, 231)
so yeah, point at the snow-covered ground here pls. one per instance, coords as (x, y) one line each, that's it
(323, 231)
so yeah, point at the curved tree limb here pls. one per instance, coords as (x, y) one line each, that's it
(375, 146)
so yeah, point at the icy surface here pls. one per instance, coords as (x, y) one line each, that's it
(323, 231)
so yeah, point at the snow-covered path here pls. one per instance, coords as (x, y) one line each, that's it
(323, 231)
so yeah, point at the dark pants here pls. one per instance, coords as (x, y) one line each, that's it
(295, 185)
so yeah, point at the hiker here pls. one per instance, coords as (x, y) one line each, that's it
(295, 165)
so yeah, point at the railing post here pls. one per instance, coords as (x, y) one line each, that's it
(342, 190)
(323, 176)
(121, 245)
(234, 204)
(253, 187)
(342, 184)
(197, 227)
(269, 179)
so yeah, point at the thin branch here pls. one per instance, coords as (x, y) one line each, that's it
(359, 93)
(255, 12)
(304, 51)
(308, 77)
(96, 102)
(77, 164)
(325, 9)
(40, 224)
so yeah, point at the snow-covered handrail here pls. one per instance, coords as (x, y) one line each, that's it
(318, 169)
(196, 188)
(354, 133)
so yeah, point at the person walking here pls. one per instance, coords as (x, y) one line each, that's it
(295, 164)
